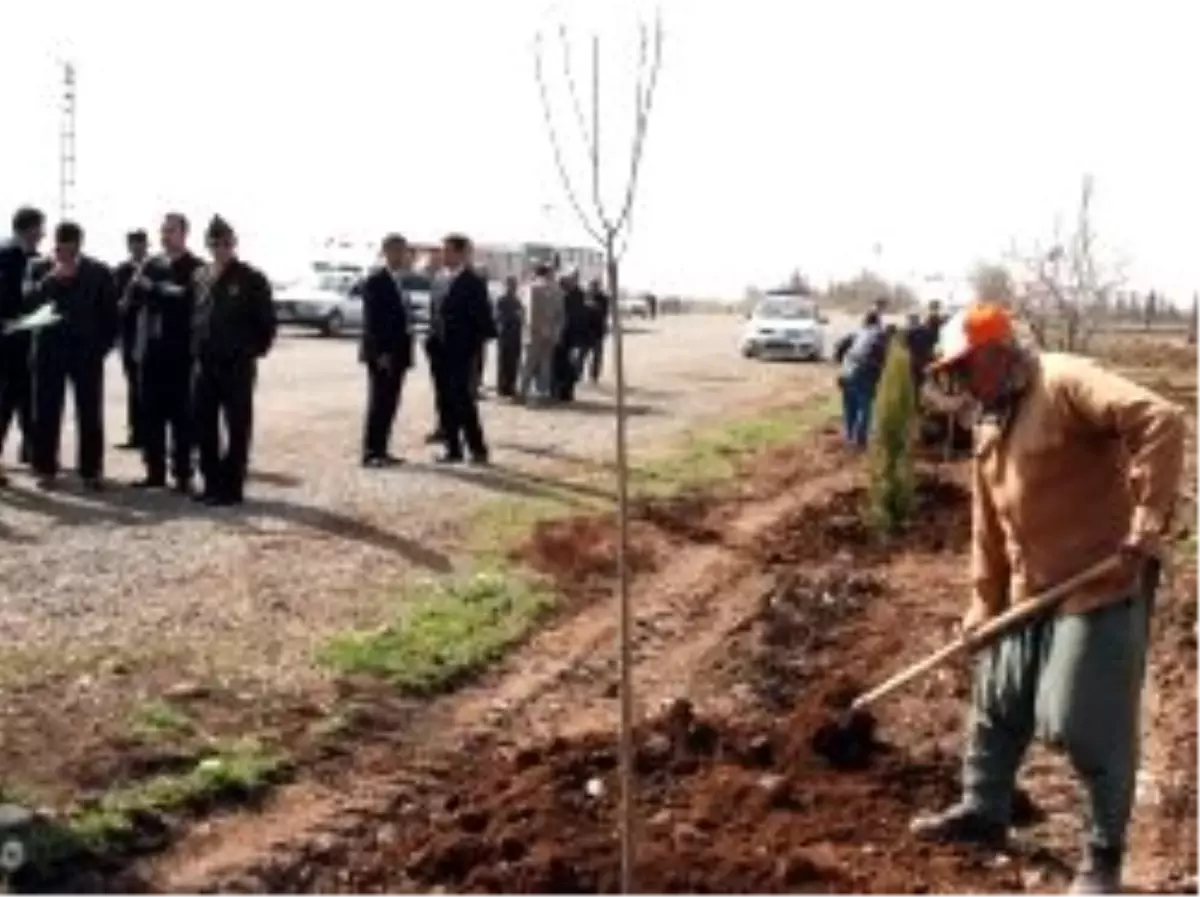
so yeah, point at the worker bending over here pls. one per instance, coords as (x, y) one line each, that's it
(1073, 464)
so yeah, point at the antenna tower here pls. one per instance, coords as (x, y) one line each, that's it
(66, 143)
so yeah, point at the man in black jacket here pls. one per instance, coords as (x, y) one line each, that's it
(16, 260)
(567, 353)
(129, 302)
(234, 326)
(596, 311)
(386, 349)
(510, 327)
(460, 326)
(166, 297)
(83, 295)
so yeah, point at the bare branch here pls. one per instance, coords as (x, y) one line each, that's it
(572, 91)
(644, 105)
(605, 224)
(548, 119)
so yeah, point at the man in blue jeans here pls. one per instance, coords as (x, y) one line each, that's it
(862, 364)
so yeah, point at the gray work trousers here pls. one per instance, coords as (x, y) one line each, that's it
(538, 367)
(1075, 681)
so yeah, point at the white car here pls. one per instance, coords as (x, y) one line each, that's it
(635, 307)
(784, 327)
(332, 303)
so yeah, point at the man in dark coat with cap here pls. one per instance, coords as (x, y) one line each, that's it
(234, 326)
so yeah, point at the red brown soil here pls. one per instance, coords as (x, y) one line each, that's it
(723, 805)
(734, 798)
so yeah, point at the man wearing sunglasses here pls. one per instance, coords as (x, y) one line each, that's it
(234, 326)
(1073, 465)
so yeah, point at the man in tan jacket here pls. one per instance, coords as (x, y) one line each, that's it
(1073, 464)
(546, 321)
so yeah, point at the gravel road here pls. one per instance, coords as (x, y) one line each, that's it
(250, 591)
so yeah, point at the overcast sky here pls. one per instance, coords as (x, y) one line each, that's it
(786, 132)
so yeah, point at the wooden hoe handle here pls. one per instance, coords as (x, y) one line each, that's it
(1016, 614)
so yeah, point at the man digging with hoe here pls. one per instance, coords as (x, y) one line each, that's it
(1072, 464)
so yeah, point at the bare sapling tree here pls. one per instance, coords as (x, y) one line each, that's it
(610, 227)
(1063, 291)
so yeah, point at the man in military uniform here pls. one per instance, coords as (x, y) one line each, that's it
(130, 297)
(16, 260)
(234, 326)
(167, 305)
(83, 295)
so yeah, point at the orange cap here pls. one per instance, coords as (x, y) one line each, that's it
(979, 324)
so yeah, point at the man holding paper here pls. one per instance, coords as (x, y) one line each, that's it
(77, 296)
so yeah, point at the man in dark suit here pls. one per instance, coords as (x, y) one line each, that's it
(386, 349)
(167, 305)
(461, 324)
(16, 260)
(83, 295)
(130, 298)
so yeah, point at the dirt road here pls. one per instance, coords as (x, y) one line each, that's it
(134, 572)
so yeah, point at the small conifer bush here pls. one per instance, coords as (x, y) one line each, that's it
(892, 487)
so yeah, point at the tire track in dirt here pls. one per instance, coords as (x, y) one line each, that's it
(561, 682)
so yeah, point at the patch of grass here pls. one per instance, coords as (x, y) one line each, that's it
(449, 631)
(715, 454)
(115, 820)
(158, 719)
(704, 457)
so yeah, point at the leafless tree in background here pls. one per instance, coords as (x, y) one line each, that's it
(1062, 290)
(610, 231)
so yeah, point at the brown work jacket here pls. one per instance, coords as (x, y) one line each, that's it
(1086, 462)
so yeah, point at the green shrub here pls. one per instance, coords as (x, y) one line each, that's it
(892, 486)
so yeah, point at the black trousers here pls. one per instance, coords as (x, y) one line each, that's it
(383, 400)
(224, 391)
(54, 367)
(459, 408)
(434, 357)
(477, 369)
(133, 402)
(16, 388)
(566, 371)
(592, 356)
(165, 404)
(508, 363)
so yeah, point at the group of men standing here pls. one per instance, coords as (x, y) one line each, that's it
(190, 335)
(545, 340)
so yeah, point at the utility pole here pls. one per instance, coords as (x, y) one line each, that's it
(66, 143)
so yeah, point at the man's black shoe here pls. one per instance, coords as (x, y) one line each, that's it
(481, 460)
(150, 483)
(93, 484)
(434, 438)
(960, 824)
(448, 458)
(182, 487)
(129, 445)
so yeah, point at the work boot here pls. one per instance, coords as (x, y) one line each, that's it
(1099, 872)
(960, 824)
